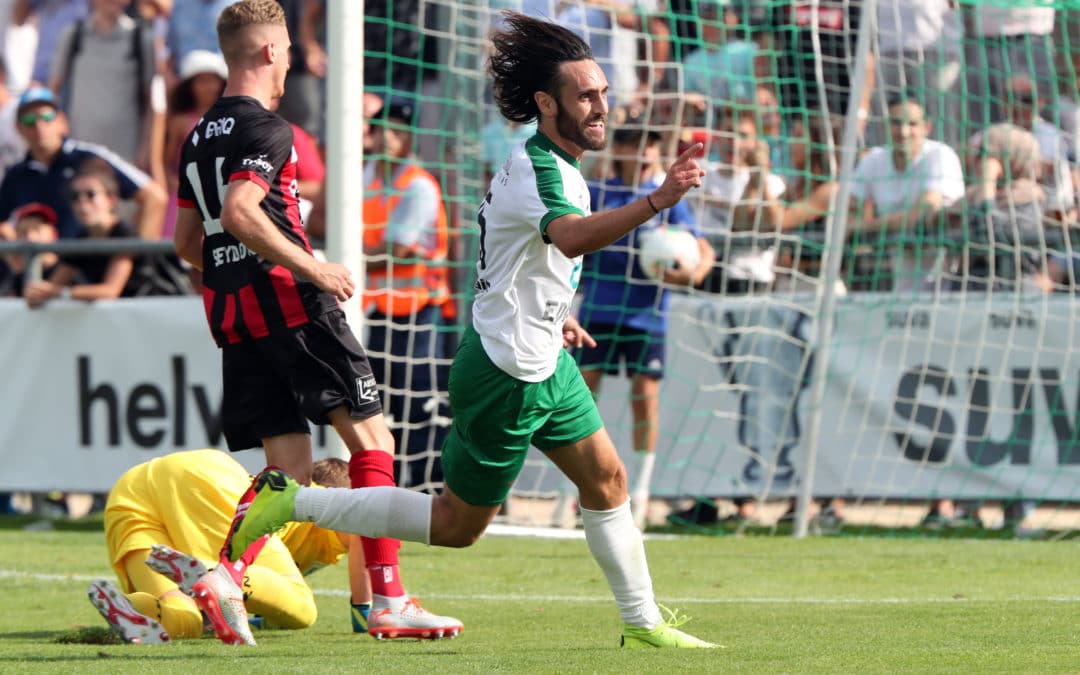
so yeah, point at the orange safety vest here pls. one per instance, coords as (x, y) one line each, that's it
(404, 288)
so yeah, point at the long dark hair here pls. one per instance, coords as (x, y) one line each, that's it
(526, 59)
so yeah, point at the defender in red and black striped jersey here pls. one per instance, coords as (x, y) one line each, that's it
(247, 296)
(288, 355)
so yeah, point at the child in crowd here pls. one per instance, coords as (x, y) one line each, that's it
(34, 222)
(94, 195)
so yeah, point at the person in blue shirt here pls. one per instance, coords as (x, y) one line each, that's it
(51, 161)
(622, 308)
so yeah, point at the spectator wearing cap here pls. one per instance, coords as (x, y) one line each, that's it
(202, 79)
(1024, 103)
(406, 242)
(34, 222)
(623, 309)
(51, 161)
(102, 74)
(92, 193)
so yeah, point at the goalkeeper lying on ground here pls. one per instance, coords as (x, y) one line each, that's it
(171, 512)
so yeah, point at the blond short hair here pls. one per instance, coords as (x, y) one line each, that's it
(244, 14)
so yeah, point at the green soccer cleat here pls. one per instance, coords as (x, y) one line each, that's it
(269, 511)
(666, 635)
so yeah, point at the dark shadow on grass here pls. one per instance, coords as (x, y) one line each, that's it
(38, 635)
(137, 653)
(91, 523)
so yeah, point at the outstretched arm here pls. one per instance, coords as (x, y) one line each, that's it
(577, 235)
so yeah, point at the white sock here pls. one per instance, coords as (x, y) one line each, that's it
(381, 602)
(619, 550)
(370, 512)
(646, 461)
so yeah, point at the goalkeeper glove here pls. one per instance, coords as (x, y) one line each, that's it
(359, 615)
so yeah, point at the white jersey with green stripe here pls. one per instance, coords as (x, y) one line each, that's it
(524, 283)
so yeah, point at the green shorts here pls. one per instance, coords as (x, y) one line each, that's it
(497, 418)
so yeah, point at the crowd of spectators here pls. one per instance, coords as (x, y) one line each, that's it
(121, 83)
(130, 78)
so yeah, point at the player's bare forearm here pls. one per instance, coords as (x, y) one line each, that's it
(577, 235)
(926, 207)
(242, 217)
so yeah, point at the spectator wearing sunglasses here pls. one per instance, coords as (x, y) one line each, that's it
(53, 158)
(1059, 181)
(92, 194)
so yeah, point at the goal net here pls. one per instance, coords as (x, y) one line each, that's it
(885, 340)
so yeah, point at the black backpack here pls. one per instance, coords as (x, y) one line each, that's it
(136, 54)
(158, 274)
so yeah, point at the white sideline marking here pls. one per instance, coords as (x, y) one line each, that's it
(542, 597)
(502, 530)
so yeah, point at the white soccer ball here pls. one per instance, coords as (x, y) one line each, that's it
(659, 248)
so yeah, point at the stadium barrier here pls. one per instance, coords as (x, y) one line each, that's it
(97, 388)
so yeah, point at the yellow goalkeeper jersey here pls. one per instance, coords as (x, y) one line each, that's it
(187, 500)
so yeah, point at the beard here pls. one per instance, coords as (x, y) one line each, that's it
(576, 131)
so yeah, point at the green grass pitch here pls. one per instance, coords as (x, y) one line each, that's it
(541, 606)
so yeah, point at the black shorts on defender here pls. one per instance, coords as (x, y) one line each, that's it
(275, 385)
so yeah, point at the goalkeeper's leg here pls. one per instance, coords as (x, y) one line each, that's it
(160, 598)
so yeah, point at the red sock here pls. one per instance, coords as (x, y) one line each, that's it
(237, 569)
(374, 468)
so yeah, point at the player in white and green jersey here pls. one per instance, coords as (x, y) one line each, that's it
(524, 284)
(512, 382)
